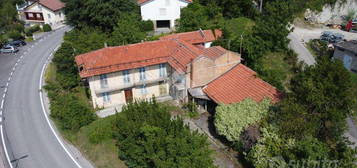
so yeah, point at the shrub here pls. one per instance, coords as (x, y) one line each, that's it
(147, 25)
(14, 34)
(46, 28)
(192, 109)
(231, 120)
(67, 109)
(29, 31)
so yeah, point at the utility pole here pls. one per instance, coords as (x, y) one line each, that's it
(261, 6)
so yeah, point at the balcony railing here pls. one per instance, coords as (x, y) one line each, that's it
(123, 85)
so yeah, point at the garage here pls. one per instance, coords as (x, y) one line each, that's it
(163, 24)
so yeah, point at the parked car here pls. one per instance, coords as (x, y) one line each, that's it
(9, 49)
(17, 43)
(331, 37)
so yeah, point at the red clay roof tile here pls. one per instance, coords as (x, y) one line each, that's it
(111, 59)
(238, 84)
(54, 5)
(196, 37)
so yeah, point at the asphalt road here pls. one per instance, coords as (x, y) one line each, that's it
(28, 134)
(303, 53)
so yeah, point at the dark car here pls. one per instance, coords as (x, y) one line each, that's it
(17, 43)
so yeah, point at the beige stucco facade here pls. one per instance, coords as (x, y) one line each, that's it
(116, 86)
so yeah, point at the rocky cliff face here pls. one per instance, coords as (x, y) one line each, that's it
(332, 14)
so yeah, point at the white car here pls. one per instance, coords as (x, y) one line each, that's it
(9, 49)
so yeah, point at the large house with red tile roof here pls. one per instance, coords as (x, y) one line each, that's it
(40, 12)
(170, 68)
(163, 13)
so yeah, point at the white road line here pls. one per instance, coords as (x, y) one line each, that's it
(18, 60)
(9, 79)
(2, 104)
(5, 90)
(3, 96)
(7, 84)
(48, 121)
(4, 145)
(12, 72)
(15, 65)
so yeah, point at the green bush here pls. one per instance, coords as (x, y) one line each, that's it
(192, 109)
(46, 28)
(14, 34)
(67, 109)
(29, 31)
(147, 25)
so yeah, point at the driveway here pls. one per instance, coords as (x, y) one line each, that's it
(31, 139)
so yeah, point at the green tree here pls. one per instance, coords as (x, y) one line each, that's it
(127, 31)
(148, 137)
(8, 13)
(324, 90)
(67, 73)
(231, 120)
(101, 14)
(196, 16)
(86, 39)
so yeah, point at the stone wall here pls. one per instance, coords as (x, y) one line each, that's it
(332, 14)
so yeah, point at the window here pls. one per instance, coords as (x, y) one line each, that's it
(162, 70)
(49, 16)
(106, 97)
(38, 15)
(30, 15)
(103, 81)
(167, 2)
(60, 14)
(143, 90)
(126, 76)
(162, 11)
(142, 73)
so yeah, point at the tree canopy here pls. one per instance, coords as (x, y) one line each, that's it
(98, 14)
(148, 137)
(231, 120)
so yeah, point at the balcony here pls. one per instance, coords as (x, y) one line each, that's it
(122, 86)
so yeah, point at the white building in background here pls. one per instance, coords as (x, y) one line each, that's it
(40, 12)
(162, 12)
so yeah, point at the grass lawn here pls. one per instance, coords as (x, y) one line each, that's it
(278, 71)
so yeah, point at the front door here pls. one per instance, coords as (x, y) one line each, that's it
(128, 95)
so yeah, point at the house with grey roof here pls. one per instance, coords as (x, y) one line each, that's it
(347, 52)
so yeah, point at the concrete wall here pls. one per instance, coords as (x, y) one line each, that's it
(116, 79)
(206, 69)
(153, 10)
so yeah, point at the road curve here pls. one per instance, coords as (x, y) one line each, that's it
(28, 134)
